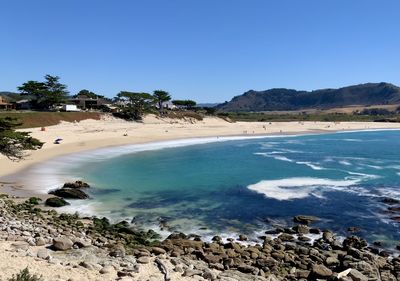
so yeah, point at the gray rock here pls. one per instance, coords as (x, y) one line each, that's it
(158, 251)
(357, 275)
(62, 243)
(20, 245)
(192, 272)
(305, 219)
(43, 254)
(143, 260)
(117, 251)
(40, 241)
(319, 270)
(330, 261)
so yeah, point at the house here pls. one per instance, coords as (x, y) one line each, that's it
(4, 105)
(23, 104)
(85, 102)
(167, 105)
(70, 107)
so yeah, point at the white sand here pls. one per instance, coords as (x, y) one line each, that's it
(92, 134)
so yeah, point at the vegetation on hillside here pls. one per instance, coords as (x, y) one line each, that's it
(287, 99)
(327, 117)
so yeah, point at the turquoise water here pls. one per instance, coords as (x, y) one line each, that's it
(246, 186)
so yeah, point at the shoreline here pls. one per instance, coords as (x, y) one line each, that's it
(90, 135)
(293, 251)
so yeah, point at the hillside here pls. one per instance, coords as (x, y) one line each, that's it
(288, 99)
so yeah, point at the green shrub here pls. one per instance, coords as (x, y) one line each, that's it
(33, 201)
(24, 275)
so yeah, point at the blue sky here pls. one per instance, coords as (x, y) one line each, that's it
(206, 50)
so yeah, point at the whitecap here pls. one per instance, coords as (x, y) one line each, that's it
(282, 158)
(345, 163)
(311, 165)
(297, 188)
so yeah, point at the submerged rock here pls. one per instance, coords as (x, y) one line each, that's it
(305, 219)
(390, 201)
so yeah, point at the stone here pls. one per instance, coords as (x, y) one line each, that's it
(106, 269)
(43, 254)
(192, 272)
(301, 229)
(286, 237)
(158, 251)
(390, 201)
(56, 202)
(305, 219)
(332, 261)
(117, 250)
(143, 260)
(320, 270)
(70, 193)
(242, 237)
(357, 275)
(40, 241)
(20, 245)
(62, 243)
(76, 184)
(327, 236)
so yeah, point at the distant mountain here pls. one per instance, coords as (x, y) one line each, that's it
(287, 99)
(11, 97)
(207, 104)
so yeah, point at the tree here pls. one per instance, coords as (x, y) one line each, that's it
(185, 103)
(136, 104)
(161, 97)
(13, 143)
(88, 93)
(45, 94)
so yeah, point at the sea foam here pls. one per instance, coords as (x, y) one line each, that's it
(297, 188)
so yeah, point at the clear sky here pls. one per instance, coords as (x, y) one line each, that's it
(206, 50)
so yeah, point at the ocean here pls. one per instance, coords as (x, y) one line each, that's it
(231, 186)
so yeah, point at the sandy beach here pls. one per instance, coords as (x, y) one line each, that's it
(93, 134)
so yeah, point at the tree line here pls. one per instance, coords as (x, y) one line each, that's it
(48, 93)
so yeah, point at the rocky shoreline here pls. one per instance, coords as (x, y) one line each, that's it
(120, 252)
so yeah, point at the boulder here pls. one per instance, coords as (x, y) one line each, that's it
(40, 241)
(158, 251)
(301, 229)
(305, 219)
(77, 184)
(117, 250)
(242, 237)
(62, 243)
(357, 275)
(70, 193)
(107, 269)
(320, 270)
(43, 254)
(390, 201)
(143, 260)
(56, 202)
